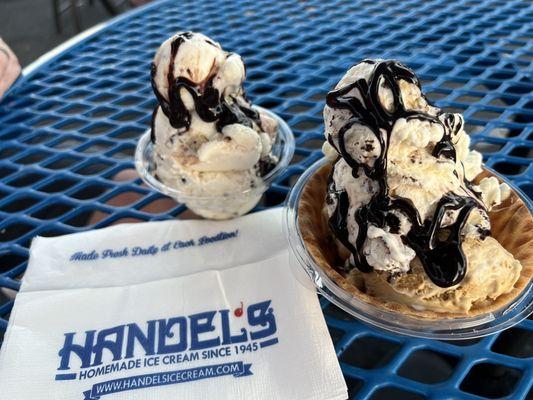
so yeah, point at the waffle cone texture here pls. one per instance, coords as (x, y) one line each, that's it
(512, 226)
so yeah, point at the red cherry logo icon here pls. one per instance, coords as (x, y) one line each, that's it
(238, 311)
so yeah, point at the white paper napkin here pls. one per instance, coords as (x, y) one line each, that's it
(168, 310)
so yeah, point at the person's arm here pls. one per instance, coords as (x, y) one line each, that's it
(9, 68)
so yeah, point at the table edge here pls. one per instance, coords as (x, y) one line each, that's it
(73, 41)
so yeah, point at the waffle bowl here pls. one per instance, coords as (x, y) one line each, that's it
(313, 249)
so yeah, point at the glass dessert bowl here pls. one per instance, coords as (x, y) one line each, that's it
(401, 225)
(230, 205)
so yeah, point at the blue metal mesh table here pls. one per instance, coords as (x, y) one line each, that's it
(68, 131)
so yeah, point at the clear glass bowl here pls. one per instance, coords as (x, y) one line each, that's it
(311, 275)
(218, 207)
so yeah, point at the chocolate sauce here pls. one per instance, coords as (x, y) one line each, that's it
(208, 102)
(265, 165)
(152, 123)
(438, 247)
(339, 218)
(445, 146)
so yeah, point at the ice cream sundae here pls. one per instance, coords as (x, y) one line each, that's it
(406, 208)
(210, 143)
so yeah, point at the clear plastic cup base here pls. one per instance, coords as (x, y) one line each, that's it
(311, 275)
(230, 205)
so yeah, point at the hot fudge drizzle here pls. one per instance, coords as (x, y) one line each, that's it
(209, 104)
(438, 247)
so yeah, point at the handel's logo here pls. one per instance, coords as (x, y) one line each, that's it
(201, 336)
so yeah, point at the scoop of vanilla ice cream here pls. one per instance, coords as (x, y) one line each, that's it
(424, 157)
(238, 150)
(215, 195)
(208, 140)
(195, 58)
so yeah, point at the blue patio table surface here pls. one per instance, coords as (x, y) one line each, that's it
(68, 131)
